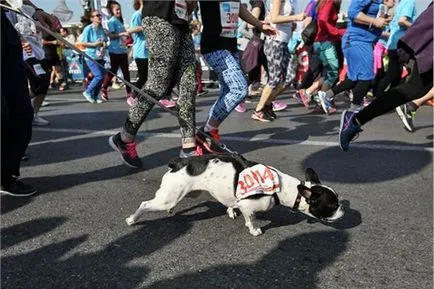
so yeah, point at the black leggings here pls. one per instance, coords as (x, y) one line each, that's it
(393, 74)
(417, 86)
(142, 72)
(117, 61)
(360, 89)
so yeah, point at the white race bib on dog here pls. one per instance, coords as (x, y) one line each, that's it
(257, 180)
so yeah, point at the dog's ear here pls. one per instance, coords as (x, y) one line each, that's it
(312, 176)
(304, 191)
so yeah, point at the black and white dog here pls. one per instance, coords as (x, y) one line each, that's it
(223, 177)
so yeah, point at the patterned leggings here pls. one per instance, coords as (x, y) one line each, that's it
(279, 63)
(171, 61)
(233, 83)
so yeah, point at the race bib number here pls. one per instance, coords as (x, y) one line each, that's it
(39, 70)
(181, 9)
(229, 18)
(258, 179)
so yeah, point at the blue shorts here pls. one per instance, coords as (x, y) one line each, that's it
(360, 60)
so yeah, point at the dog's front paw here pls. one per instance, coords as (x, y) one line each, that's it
(255, 231)
(232, 214)
(130, 220)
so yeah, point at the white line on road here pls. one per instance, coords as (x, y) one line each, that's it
(87, 133)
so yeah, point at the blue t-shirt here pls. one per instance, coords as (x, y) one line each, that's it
(140, 48)
(359, 32)
(311, 9)
(117, 46)
(92, 34)
(405, 8)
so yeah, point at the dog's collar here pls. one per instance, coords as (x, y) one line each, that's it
(298, 199)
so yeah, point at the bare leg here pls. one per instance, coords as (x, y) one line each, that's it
(424, 98)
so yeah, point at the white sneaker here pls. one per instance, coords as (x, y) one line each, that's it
(45, 103)
(88, 97)
(99, 100)
(39, 121)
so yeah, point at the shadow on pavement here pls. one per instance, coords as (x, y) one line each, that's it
(16, 234)
(360, 165)
(110, 267)
(295, 263)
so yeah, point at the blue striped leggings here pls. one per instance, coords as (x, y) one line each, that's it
(232, 80)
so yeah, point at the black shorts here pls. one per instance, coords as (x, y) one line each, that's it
(38, 73)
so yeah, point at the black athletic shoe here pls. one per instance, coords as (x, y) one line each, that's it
(407, 116)
(127, 150)
(17, 189)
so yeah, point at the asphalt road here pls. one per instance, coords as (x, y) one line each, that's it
(73, 233)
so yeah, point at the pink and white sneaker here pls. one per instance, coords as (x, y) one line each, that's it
(279, 105)
(167, 103)
(241, 107)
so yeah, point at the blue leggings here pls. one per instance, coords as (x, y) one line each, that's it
(233, 82)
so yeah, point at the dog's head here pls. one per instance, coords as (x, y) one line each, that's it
(323, 201)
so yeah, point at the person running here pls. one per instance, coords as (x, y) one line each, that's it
(416, 49)
(404, 16)
(367, 21)
(219, 48)
(140, 48)
(94, 39)
(171, 61)
(281, 72)
(118, 51)
(327, 46)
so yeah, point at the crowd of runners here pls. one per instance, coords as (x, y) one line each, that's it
(378, 54)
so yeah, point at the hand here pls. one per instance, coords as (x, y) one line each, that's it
(99, 43)
(380, 22)
(300, 16)
(267, 29)
(27, 48)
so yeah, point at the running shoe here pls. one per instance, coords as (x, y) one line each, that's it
(261, 116)
(209, 141)
(197, 152)
(88, 97)
(99, 101)
(116, 86)
(45, 103)
(104, 94)
(406, 116)
(325, 103)
(167, 103)
(127, 150)
(17, 188)
(279, 105)
(241, 107)
(348, 129)
(39, 121)
(302, 97)
(63, 86)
